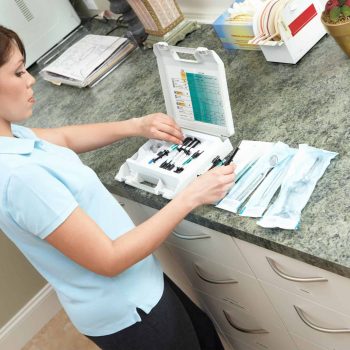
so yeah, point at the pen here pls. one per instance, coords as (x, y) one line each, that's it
(226, 161)
(230, 156)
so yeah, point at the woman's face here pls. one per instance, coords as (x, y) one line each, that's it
(16, 94)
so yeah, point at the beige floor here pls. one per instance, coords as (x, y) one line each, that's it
(59, 334)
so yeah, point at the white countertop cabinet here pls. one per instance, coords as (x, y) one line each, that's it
(257, 298)
(210, 268)
(313, 303)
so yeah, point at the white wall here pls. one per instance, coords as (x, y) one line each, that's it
(200, 10)
(203, 10)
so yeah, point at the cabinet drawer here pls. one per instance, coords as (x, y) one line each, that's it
(299, 278)
(311, 321)
(239, 345)
(213, 245)
(203, 241)
(303, 344)
(170, 267)
(136, 212)
(245, 328)
(224, 283)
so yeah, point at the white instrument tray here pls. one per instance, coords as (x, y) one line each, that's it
(196, 96)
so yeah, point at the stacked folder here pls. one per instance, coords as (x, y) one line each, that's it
(88, 61)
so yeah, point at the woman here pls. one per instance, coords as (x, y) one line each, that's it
(78, 237)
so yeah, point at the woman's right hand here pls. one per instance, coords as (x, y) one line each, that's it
(210, 187)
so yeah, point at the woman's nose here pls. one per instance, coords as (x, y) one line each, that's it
(30, 80)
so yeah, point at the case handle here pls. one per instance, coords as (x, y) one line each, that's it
(143, 186)
(189, 51)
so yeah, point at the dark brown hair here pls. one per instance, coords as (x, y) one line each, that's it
(7, 38)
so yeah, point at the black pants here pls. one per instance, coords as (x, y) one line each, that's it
(175, 323)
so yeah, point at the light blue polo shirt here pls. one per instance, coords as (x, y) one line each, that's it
(40, 185)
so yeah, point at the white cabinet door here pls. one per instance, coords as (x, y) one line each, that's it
(244, 327)
(232, 287)
(297, 277)
(311, 321)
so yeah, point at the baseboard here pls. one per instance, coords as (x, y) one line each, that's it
(29, 320)
(200, 17)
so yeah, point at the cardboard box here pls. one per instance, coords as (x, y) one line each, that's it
(236, 33)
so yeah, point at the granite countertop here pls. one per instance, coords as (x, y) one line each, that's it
(303, 103)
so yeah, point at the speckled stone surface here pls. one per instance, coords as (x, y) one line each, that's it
(303, 103)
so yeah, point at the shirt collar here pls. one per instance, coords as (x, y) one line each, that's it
(13, 145)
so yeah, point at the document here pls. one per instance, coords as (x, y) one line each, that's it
(88, 60)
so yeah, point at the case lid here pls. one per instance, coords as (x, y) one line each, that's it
(195, 88)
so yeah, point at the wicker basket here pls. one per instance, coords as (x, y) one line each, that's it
(157, 16)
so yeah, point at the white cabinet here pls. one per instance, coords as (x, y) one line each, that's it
(227, 288)
(135, 210)
(297, 277)
(247, 326)
(311, 321)
(304, 344)
(210, 244)
(257, 298)
(139, 213)
(237, 290)
(313, 303)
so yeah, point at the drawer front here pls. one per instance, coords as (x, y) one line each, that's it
(245, 328)
(170, 267)
(213, 245)
(135, 210)
(313, 322)
(304, 344)
(232, 287)
(203, 241)
(299, 278)
(239, 345)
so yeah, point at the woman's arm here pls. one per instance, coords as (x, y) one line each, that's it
(80, 238)
(88, 137)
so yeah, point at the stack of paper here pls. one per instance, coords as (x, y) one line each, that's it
(88, 61)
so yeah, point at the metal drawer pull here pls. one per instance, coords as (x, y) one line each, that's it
(280, 273)
(179, 235)
(206, 279)
(243, 330)
(318, 328)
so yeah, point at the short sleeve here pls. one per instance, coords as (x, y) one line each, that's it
(37, 201)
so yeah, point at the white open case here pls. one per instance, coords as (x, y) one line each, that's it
(196, 96)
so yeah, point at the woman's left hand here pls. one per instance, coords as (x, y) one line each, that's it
(159, 126)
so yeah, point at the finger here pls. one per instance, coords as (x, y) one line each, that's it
(170, 131)
(227, 178)
(170, 122)
(160, 135)
(228, 169)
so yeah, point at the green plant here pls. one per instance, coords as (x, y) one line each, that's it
(337, 10)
